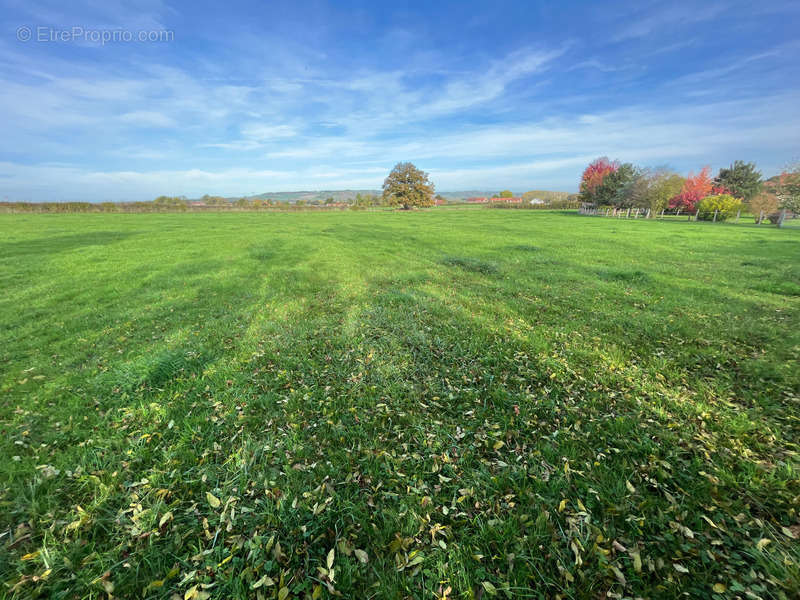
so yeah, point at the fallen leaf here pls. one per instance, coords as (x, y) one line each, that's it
(489, 587)
(266, 580)
(212, 500)
(361, 555)
(637, 561)
(619, 575)
(680, 568)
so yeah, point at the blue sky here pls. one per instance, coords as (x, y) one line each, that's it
(249, 97)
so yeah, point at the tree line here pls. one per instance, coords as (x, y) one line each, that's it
(739, 187)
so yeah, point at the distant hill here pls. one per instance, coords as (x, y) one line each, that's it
(292, 197)
(347, 195)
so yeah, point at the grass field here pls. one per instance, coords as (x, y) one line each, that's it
(454, 404)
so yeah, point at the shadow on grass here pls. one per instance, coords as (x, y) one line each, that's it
(64, 243)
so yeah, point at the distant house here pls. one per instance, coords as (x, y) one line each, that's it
(537, 201)
(197, 203)
(440, 201)
(478, 200)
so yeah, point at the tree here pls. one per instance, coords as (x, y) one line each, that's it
(506, 194)
(741, 179)
(633, 186)
(695, 188)
(611, 189)
(764, 205)
(593, 177)
(408, 187)
(788, 188)
(664, 185)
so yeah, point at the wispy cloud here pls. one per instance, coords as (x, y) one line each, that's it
(672, 16)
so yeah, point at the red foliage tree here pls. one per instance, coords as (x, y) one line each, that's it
(721, 190)
(594, 174)
(695, 188)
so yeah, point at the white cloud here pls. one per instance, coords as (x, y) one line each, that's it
(147, 118)
(263, 132)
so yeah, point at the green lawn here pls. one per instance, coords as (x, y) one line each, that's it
(498, 403)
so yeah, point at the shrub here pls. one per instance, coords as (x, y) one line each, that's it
(764, 204)
(724, 205)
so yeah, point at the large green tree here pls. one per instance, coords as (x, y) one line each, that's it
(408, 187)
(611, 190)
(633, 187)
(741, 179)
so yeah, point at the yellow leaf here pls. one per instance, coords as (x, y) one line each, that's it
(618, 574)
(680, 568)
(30, 556)
(788, 532)
(212, 500)
(361, 555)
(194, 594)
(761, 544)
(225, 560)
(317, 593)
(283, 593)
(499, 444)
(630, 487)
(165, 519)
(331, 557)
(562, 505)
(489, 587)
(637, 561)
(719, 588)
(265, 580)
